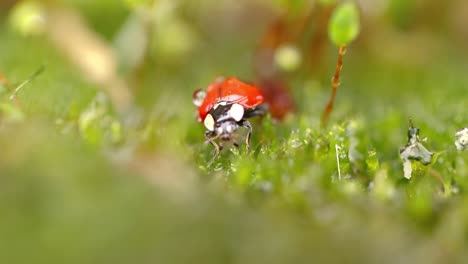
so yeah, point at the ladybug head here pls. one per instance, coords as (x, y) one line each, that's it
(225, 129)
(223, 118)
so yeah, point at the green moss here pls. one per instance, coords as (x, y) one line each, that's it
(81, 184)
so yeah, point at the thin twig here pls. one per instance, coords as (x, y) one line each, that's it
(28, 80)
(335, 84)
(4, 81)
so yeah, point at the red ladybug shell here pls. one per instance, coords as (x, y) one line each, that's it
(230, 90)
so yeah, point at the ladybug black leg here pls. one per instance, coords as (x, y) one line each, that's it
(258, 111)
(217, 149)
(247, 125)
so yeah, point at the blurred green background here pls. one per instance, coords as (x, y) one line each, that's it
(103, 161)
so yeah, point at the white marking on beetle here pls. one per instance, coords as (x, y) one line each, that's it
(236, 112)
(218, 104)
(209, 122)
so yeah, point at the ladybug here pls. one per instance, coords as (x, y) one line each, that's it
(224, 107)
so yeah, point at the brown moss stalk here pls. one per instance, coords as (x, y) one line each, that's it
(335, 83)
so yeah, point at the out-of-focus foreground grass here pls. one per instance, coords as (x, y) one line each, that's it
(102, 160)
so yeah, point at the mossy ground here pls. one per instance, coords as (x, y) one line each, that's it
(68, 195)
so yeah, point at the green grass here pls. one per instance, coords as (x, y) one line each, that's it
(81, 196)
